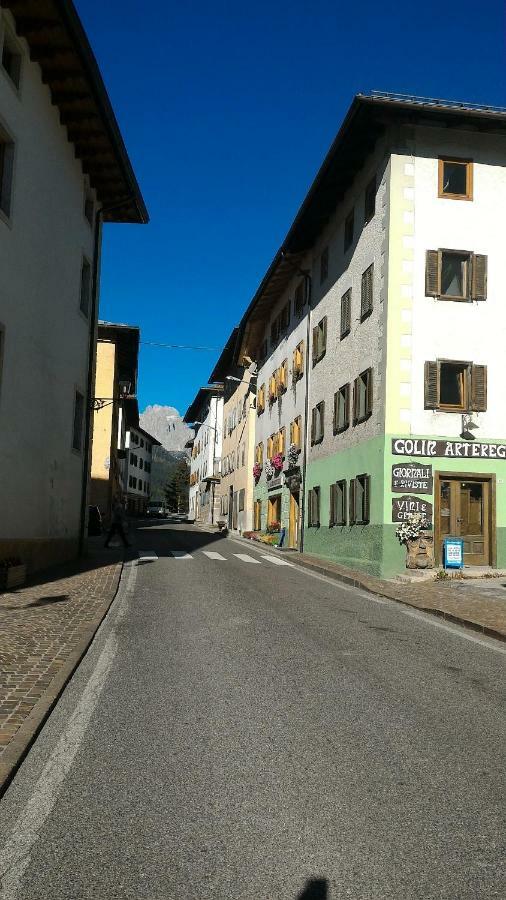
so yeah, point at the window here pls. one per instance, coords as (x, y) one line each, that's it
(283, 377)
(456, 179)
(11, 59)
(319, 340)
(366, 295)
(318, 423)
(346, 313)
(360, 500)
(243, 455)
(270, 444)
(257, 515)
(141, 463)
(296, 432)
(131, 459)
(338, 503)
(362, 397)
(313, 507)
(275, 331)
(298, 362)
(6, 162)
(456, 275)
(273, 388)
(84, 304)
(370, 201)
(324, 265)
(142, 442)
(300, 298)
(134, 483)
(342, 409)
(261, 400)
(284, 319)
(349, 230)
(455, 386)
(274, 510)
(77, 429)
(241, 499)
(259, 454)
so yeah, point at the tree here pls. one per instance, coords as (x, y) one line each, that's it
(177, 488)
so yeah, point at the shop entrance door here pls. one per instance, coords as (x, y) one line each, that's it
(464, 511)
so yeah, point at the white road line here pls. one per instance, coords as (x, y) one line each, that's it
(147, 555)
(15, 855)
(212, 555)
(245, 558)
(180, 554)
(276, 560)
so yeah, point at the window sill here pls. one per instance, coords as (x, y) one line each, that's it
(342, 429)
(345, 334)
(365, 315)
(454, 197)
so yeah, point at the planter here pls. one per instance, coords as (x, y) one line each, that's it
(420, 552)
(12, 577)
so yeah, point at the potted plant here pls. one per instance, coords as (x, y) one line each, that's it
(269, 469)
(293, 455)
(415, 533)
(257, 471)
(274, 527)
(277, 463)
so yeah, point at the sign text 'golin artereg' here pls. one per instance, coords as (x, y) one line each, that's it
(448, 449)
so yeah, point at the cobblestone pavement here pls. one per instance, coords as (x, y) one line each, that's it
(479, 603)
(41, 625)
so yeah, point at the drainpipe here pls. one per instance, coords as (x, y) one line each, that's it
(90, 381)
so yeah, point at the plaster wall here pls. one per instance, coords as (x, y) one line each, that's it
(238, 452)
(42, 244)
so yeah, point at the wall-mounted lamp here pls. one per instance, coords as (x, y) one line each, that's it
(468, 426)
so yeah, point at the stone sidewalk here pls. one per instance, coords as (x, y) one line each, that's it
(45, 629)
(478, 603)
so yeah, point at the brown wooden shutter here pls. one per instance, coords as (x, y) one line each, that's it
(347, 406)
(432, 274)
(369, 394)
(367, 498)
(355, 401)
(431, 385)
(322, 419)
(315, 344)
(345, 502)
(336, 398)
(323, 346)
(479, 277)
(332, 516)
(313, 425)
(479, 388)
(352, 501)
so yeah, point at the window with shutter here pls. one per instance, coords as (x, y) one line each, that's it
(362, 397)
(432, 274)
(349, 230)
(479, 277)
(317, 424)
(366, 299)
(431, 385)
(352, 517)
(345, 314)
(283, 376)
(313, 425)
(362, 499)
(342, 409)
(282, 440)
(319, 340)
(269, 448)
(337, 503)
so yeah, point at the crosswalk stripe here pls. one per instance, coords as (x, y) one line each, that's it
(245, 558)
(180, 554)
(276, 561)
(211, 554)
(147, 555)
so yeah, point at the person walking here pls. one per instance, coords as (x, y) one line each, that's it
(118, 523)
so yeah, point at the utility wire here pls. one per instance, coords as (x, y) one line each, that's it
(178, 346)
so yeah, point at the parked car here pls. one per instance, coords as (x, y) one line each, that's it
(94, 521)
(156, 509)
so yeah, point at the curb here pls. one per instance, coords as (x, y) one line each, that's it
(18, 747)
(379, 592)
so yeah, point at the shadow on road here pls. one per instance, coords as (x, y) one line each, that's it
(315, 889)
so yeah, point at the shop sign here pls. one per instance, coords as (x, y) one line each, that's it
(413, 477)
(405, 506)
(453, 553)
(447, 449)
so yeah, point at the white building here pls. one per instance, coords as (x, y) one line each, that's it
(139, 458)
(206, 414)
(63, 171)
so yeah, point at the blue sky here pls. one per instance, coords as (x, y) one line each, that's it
(227, 110)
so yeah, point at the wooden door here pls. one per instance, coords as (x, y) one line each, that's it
(293, 526)
(464, 512)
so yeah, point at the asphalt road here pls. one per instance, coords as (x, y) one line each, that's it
(244, 729)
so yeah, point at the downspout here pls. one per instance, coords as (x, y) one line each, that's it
(90, 381)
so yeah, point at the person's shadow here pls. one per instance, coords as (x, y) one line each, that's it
(315, 889)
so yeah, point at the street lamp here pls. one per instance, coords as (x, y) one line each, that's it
(124, 392)
(239, 380)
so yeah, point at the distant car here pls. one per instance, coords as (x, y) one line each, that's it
(156, 509)
(94, 521)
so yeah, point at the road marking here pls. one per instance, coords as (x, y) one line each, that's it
(180, 554)
(460, 630)
(245, 558)
(15, 855)
(212, 555)
(276, 561)
(147, 556)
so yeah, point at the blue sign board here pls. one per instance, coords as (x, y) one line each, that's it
(453, 553)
